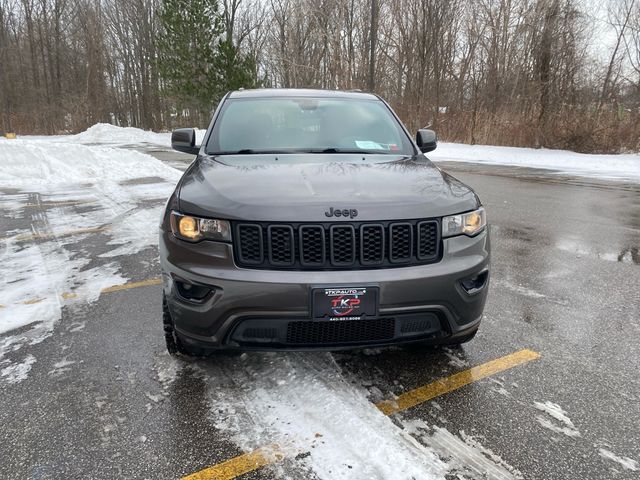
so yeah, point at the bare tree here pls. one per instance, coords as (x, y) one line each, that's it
(518, 72)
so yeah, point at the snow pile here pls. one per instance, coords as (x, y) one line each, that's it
(107, 134)
(609, 167)
(111, 135)
(35, 164)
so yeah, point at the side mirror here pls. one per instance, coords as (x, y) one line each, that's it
(427, 140)
(184, 140)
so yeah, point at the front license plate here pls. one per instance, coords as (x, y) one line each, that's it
(348, 303)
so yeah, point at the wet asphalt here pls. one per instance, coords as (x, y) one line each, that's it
(565, 283)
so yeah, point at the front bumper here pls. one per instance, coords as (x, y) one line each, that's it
(264, 309)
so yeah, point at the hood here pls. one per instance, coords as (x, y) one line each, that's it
(302, 187)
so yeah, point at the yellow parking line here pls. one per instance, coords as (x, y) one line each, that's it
(56, 204)
(240, 465)
(33, 301)
(115, 288)
(251, 461)
(68, 233)
(455, 381)
(127, 286)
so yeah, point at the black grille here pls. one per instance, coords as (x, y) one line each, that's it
(348, 331)
(326, 246)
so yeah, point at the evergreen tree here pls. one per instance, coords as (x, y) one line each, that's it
(196, 62)
(237, 70)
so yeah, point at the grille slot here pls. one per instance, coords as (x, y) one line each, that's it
(419, 325)
(281, 245)
(348, 331)
(250, 249)
(336, 246)
(268, 333)
(312, 245)
(343, 245)
(428, 240)
(371, 244)
(400, 242)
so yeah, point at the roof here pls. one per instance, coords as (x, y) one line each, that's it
(299, 92)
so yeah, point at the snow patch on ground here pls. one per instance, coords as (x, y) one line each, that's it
(610, 167)
(521, 289)
(455, 359)
(565, 425)
(465, 456)
(65, 193)
(302, 402)
(36, 281)
(61, 367)
(134, 232)
(17, 372)
(626, 462)
(167, 369)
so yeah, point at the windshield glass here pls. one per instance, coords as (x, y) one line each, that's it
(314, 125)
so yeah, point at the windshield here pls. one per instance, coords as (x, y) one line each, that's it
(313, 125)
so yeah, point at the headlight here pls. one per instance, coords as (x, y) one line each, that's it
(194, 229)
(470, 223)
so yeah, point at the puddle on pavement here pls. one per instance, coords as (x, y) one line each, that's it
(629, 255)
(523, 234)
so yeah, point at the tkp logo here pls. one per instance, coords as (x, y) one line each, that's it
(342, 306)
(344, 212)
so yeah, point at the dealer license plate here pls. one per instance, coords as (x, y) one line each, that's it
(345, 303)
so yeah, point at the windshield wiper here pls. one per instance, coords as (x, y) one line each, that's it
(248, 151)
(342, 150)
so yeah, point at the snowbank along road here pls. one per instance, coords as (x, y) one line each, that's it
(548, 389)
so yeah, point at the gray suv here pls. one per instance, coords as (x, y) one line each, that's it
(310, 219)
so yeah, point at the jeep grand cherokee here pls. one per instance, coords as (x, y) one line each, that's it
(311, 219)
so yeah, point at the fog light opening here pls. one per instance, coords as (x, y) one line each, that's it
(191, 291)
(476, 283)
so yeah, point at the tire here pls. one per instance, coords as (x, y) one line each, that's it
(175, 347)
(459, 341)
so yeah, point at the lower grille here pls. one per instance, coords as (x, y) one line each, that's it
(347, 331)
